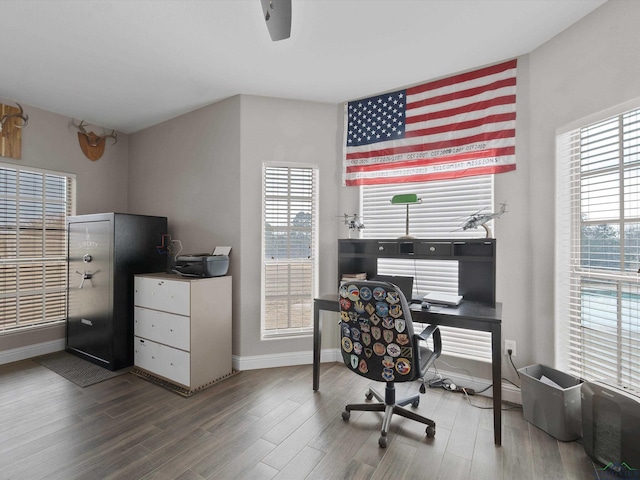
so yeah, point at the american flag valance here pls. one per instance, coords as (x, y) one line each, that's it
(454, 127)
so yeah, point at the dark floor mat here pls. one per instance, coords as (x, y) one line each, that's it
(76, 369)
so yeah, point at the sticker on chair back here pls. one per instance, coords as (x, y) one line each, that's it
(388, 336)
(382, 309)
(354, 361)
(345, 303)
(387, 375)
(346, 331)
(387, 322)
(393, 350)
(401, 324)
(393, 298)
(365, 293)
(353, 293)
(403, 366)
(402, 339)
(376, 332)
(395, 311)
(379, 293)
(378, 349)
(347, 344)
(344, 291)
(362, 366)
(357, 348)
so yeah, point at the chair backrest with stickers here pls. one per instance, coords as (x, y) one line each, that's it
(377, 336)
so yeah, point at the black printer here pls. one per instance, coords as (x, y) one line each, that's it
(202, 265)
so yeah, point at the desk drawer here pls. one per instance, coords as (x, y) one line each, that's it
(383, 248)
(167, 362)
(434, 248)
(162, 327)
(161, 294)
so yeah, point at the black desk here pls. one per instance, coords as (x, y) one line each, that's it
(468, 315)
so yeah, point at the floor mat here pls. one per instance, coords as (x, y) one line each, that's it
(76, 369)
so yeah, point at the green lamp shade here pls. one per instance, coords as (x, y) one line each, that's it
(405, 198)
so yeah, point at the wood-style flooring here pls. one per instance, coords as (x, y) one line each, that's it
(259, 424)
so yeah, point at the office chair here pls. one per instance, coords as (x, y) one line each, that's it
(378, 342)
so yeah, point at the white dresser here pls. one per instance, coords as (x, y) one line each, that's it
(183, 328)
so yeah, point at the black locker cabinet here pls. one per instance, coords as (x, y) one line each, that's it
(105, 251)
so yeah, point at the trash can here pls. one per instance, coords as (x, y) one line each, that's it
(551, 401)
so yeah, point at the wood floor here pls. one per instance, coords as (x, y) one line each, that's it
(260, 424)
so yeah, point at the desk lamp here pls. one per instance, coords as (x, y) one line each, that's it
(406, 199)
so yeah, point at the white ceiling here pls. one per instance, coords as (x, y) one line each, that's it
(130, 64)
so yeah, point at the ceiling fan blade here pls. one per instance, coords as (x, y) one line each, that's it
(277, 16)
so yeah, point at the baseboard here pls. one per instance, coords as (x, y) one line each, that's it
(510, 393)
(30, 351)
(254, 362)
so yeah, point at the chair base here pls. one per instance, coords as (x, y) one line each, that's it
(390, 407)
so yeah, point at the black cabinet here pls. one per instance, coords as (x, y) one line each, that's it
(476, 260)
(105, 251)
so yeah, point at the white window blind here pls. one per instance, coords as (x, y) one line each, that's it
(446, 204)
(598, 250)
(289, 249)
(33, 270)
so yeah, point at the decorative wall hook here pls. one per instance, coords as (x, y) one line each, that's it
(92, 144)
(12, 120)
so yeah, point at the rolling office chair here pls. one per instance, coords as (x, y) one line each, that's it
(378, 342)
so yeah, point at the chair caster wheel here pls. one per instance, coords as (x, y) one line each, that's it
(345, 415)
(368, 395)
(415, 404)
(431, 432)
(382, 441)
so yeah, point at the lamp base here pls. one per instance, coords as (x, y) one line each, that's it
(407, 237)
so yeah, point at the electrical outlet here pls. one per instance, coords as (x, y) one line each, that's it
(510, 345)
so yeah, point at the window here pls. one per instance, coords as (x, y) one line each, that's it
(289, 273)
(598, 250)
(445, 206)
(34, 205)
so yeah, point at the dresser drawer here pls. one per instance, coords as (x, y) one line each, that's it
(164, 361)
(162, 327)
(160, 294)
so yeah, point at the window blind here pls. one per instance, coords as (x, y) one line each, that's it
(446, 204)
(33, 270)
(598, 253)
(289, 249)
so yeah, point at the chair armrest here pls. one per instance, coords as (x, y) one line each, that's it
(432, 331)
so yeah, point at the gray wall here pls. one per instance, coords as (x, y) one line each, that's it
(50, 141)
(203, 170)
(586, 69)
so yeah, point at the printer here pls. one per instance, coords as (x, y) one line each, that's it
(207, 265)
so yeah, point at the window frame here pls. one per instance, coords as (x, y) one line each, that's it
(47, 290)
(432, 219)
(304, 316)
(586, 344)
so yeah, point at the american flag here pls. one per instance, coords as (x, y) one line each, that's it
(454, 127)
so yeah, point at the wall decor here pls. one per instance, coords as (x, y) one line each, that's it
(92, 144)
(12, 119)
